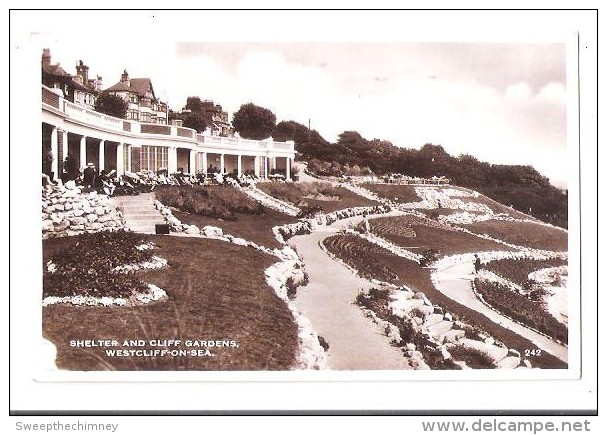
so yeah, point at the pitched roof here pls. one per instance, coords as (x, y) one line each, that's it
(142, 85)
(120, 87)
(55, 70)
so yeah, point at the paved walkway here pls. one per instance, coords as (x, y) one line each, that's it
(454, 282)
(356, 343)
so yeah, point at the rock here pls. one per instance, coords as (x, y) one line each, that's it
(453, 335)
(77, 212)
(100, 210)
(92, 217)
(211, 231)
(70, 193)
(77, 227)
(514, 352)
(239, 241)
(88, 209)
(59, 207)
(68, 206)
(47, 225)
(61, 226)
(78, 221)
(432, 319)
(448, 317)
(56, 218)
(70, 184)
(490, 340)
(192, 229)
(77, 205)
(105, 218)
(173, 221)
(510, 362)
(93, 226)
(410, 347)
(437, 309)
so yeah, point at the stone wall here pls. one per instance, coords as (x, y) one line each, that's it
(67, 211)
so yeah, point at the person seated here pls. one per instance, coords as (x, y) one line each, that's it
(89, 175)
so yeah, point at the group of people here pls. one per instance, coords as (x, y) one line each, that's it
(131, 183)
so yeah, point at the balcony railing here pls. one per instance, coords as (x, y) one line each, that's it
(79, 112)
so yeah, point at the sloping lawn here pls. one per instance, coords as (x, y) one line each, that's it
(324, 195)
(216, 291)
(394, 192)
(255, 228)
(523, 233)
(420, 235)
(374, 262)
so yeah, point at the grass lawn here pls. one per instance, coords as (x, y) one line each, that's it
(330, 198)
(366, 258)
(517, 271)
(394, 192)
(216, 291)
(523, 233)
(255, 228)
(429, 235)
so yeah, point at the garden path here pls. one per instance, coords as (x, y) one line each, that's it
(356, 343)
(455, 282)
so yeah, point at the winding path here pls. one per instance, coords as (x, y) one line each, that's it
(356, 343)
(454, 282)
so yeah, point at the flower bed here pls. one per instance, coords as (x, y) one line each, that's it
(518, 270)
(527, 234)
(521, 309)
(221, 202)
(94, 266)
(398, 193)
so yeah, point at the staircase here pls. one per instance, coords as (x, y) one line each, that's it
(139, 212)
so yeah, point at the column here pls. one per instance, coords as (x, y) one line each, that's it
(120, 159)
(205, 164)
(55, 154)
(128, 158)
(101, 155)
(222, 163)
(172, 160)
(83, 161)
(65, 149)
(273, 160)
(239, 165)
(192, 165)
(288, 168)
(257, 166)
(265, 167)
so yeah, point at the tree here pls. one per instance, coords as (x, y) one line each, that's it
(111, 104)
(196, 121)
(194, 104)
(254, 122)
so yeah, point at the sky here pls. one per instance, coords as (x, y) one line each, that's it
(501, 102)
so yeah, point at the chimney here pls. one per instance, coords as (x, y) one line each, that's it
(46, 57)
(83, 71)
(99, 83)
(125, 79)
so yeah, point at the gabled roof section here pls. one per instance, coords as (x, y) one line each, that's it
(142, 85)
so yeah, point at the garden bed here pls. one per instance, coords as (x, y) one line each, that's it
(217, 291)
(421, 235)
(526, 234)
(521, 309)
(518, 271)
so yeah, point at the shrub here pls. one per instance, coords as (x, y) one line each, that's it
(221, 202)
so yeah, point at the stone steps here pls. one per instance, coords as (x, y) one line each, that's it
(139, 212)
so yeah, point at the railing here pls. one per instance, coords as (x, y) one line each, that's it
(91, 116)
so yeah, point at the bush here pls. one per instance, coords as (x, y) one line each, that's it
(220, 202)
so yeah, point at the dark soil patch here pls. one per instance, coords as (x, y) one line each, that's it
(523, 233)
(394, 192)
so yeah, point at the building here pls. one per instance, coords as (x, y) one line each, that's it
(78, 89)
(143, 105)
(216, 119)
(128, 145)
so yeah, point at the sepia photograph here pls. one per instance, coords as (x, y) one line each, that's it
(303, 209)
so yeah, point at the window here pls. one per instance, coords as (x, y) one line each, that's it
(145, 117)
(154, 158)
(133, 98)
(133, 114)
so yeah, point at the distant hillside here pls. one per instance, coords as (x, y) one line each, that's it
(521, 187)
